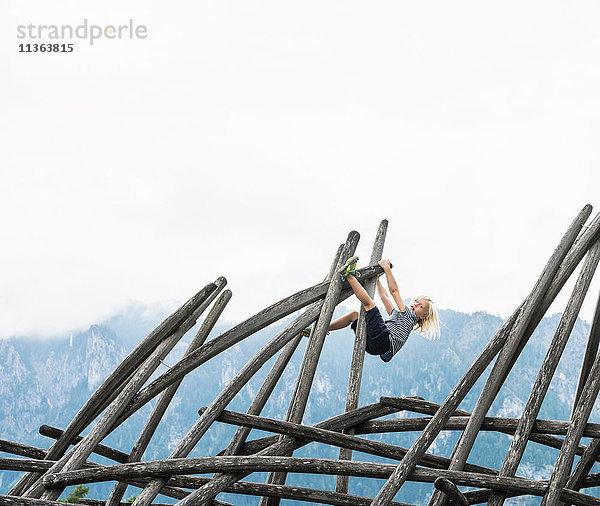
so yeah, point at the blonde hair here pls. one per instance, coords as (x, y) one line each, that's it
(429, 325)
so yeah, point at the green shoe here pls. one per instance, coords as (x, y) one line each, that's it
(306, 332)
(349, 268)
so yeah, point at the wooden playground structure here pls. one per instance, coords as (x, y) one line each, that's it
(124, 392)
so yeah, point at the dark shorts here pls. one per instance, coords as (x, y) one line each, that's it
(378, 335)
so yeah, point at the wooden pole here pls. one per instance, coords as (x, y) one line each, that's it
(167, 395)
(430, 408)
(105, 451)
(590, 352)
(238, 464)
(358, 354)
(496, 424)
(581, 414)
(547, 370)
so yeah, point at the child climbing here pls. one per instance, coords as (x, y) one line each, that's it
(385, 338)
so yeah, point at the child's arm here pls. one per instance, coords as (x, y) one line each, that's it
(383, 295)
(392, 285)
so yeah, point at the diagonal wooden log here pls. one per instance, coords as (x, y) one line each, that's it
(467, 381)
(283, 492)
(591, 351)
(547, 370)
(199, 465)
(562, 468)
(520, 333)
(20, 449)
(496, 424)
(84, 448)
(167, 395)
(109, 388)
(416, 405)
(336, 423)
(266, 389)
(592, 451)
(430, 408)
(358, 354)
(31, 465)
(105, 451)
(312, 354)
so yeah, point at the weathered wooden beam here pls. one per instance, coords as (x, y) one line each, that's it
(312, 354)
(416, 405)
(358, 353)
(334, 438)
(109, 388)
(430, 408)
(167, 395)
(282, 491)
(83, 449)
(468, 380)
(490, 423)
(564, 462)
(105, 451)
(445, 486)
(546, 372)
(592, 451)
(199, 465)
(20, 449)
(336, 423)
(591, 351)
(13, 464)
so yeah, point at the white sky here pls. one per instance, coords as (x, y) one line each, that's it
(247, 139)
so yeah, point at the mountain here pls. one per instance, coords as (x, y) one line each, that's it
(45, 381)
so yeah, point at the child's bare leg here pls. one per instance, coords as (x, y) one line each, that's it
(361, 293)
(343, 321)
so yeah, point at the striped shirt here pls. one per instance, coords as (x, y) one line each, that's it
(400, 325)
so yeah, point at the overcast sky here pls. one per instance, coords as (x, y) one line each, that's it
(246, 139)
